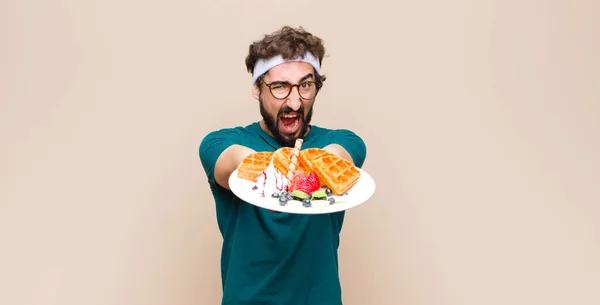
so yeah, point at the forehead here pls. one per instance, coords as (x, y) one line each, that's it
(290, 71)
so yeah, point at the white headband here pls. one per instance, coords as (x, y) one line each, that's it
(263, 65)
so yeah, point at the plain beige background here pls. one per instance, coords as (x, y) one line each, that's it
(482, 120)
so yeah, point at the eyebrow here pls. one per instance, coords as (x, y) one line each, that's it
(307, 76)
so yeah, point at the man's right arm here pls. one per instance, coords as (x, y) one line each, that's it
(220, 154)
(228, 161)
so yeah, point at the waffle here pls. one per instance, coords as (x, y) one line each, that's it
(336, 173)
(254, 164)
(282, 159)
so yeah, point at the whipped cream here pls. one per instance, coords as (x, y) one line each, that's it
(271, 181)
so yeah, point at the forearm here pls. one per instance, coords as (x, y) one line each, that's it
(228, 161)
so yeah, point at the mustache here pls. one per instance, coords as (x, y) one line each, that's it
(286, 109)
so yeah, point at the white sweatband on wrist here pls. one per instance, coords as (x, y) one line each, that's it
(264, 65)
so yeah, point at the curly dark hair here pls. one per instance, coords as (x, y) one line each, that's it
(288, 42)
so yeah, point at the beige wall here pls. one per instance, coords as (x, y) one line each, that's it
(482, 120)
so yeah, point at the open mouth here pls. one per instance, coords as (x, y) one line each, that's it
(289, 123)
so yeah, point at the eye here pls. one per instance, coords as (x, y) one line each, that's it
(306, 85)
(277, 86)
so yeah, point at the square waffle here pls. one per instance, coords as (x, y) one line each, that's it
(337, 173)
(254, 164)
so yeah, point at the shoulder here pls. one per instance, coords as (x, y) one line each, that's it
(348, 139)
(215, 142)
(223, 133)
(336, 133)
(227, 133)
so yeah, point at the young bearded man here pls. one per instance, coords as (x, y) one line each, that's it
(278, 258)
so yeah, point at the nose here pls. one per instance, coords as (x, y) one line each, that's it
(294, 100)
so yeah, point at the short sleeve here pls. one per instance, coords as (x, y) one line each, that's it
(213, 145)
(352, 143)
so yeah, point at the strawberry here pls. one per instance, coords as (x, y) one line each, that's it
(295, 182)
(306, 183)
(313, 182)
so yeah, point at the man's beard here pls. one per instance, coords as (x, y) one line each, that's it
(273, 126)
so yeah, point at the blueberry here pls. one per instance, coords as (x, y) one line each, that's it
(331, 200)
(289, 196)
(275, 195)
(282, 200)
(306, 202)
(345, 193)
(328, 192)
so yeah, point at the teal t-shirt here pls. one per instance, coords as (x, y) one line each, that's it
(272, 258)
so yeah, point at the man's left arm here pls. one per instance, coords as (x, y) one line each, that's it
(348, 145)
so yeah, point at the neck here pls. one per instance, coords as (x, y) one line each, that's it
(263, 125)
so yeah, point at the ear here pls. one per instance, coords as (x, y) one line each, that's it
(256, 91)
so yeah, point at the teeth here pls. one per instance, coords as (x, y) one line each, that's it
(289, 116)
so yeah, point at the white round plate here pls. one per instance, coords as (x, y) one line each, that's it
(362, 190)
